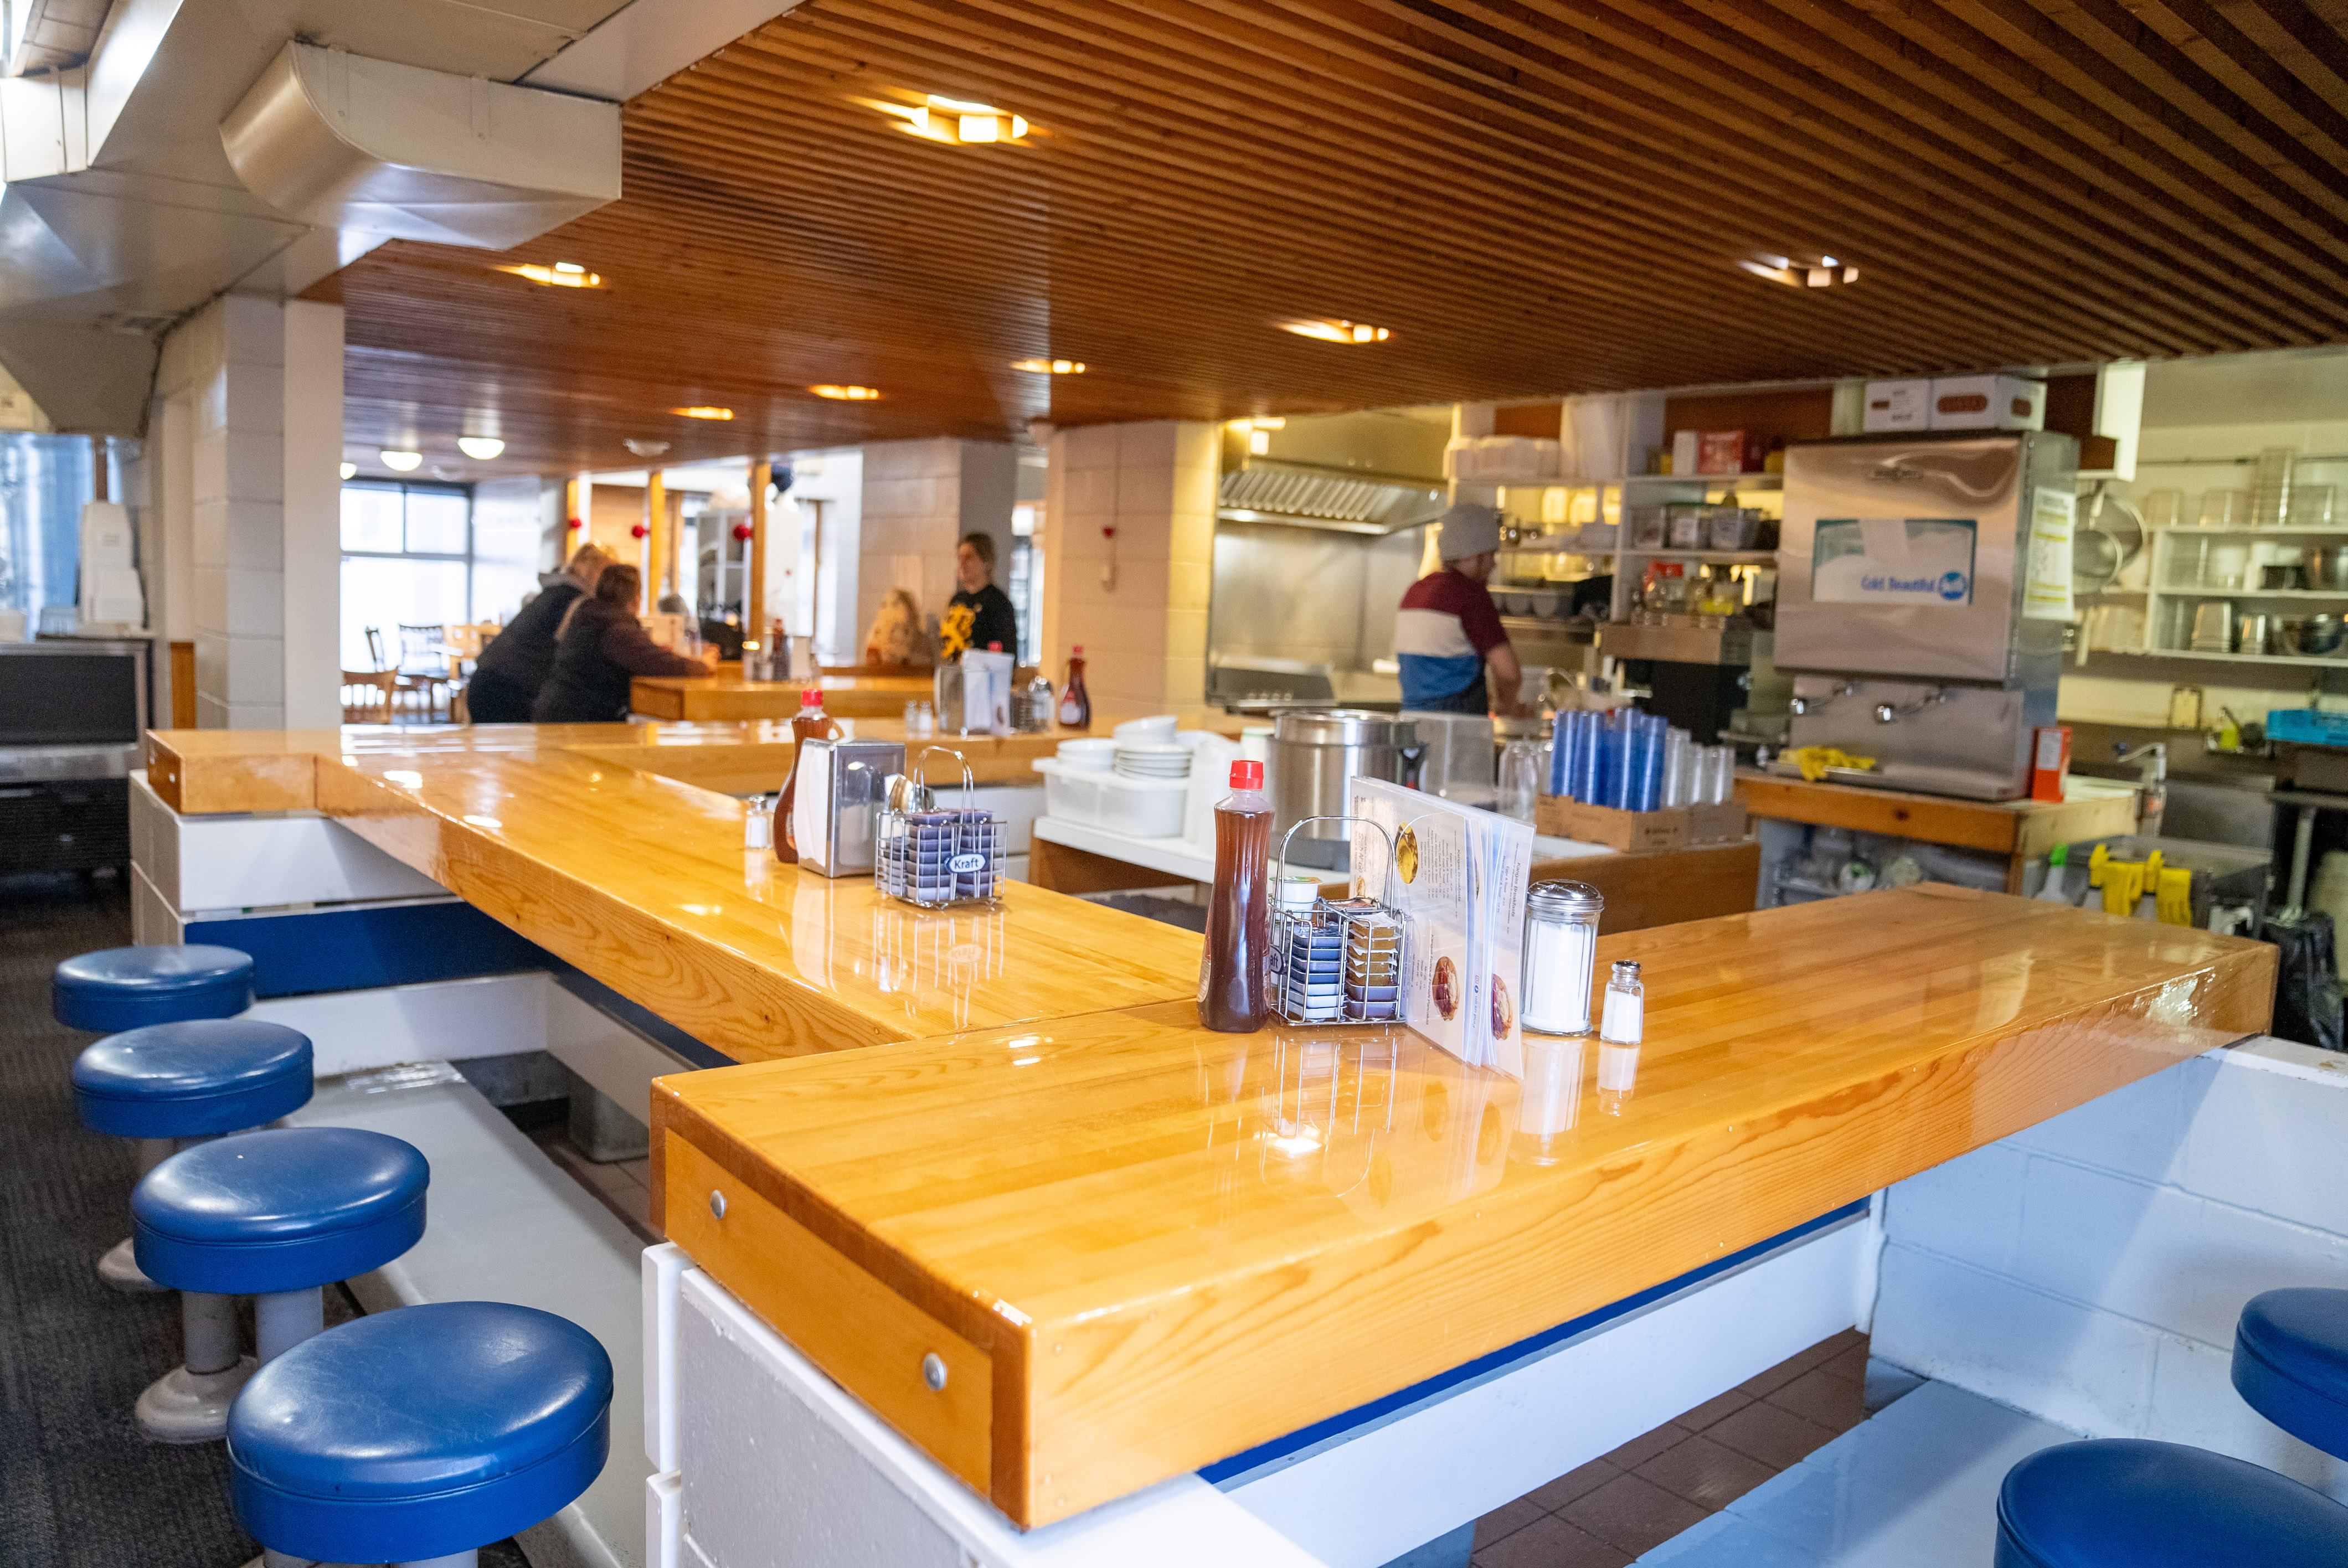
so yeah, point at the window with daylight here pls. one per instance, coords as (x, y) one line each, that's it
(408, 558)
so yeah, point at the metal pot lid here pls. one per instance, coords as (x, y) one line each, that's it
(1564, 898)
(1344, 727)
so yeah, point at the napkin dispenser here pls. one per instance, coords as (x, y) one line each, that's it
(973, 694)
(834, 801)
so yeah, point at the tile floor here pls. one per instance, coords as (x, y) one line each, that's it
(624, 1185)
(1612, 1509)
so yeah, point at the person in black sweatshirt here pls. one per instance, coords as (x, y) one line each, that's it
(517, 661)
(600, 648)
(980, 615)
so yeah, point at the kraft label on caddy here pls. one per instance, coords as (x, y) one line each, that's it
(1926, 562)
(965, 864)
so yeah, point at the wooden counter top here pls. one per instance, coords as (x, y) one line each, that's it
(723, 697)
(567, 834)
(1138, 1247)
(2023, 828)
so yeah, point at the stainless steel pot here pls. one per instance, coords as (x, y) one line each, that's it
(2327, 566)
(1316, 750)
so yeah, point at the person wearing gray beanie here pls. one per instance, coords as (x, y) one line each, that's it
(1447, 633)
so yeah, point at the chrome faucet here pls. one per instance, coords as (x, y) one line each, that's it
(2151, 760)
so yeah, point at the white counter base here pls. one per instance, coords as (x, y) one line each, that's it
(760, 1460)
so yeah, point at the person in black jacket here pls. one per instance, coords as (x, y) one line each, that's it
(600, 648)
(518, 660)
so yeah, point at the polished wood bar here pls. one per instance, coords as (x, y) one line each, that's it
(571, 835)
(1170, 1245)
(2023, 828)
(725, 697)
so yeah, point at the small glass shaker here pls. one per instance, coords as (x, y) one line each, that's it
(1626, 1007)
(1560, 952)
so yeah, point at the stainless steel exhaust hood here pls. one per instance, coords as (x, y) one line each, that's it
(1339, 500)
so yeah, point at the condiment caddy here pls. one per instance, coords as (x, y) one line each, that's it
(932, 857)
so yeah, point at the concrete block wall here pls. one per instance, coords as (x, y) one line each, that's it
(917, 499)
(2089, 1271)
(1144, 629)
(249, 498)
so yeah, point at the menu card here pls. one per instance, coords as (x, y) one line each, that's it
(1458, 875)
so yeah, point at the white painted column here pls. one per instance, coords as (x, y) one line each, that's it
(250, 395)
(312, 513)
(1136, 602)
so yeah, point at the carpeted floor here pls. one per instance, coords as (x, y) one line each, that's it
(78, 1487)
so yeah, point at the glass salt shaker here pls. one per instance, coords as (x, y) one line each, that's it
(1626, 1007)
(1560, 952)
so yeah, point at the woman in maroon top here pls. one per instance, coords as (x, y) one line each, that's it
(600, 647)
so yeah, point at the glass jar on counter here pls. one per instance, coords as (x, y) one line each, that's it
(1560, 957)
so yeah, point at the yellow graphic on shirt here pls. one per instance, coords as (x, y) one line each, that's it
(953, 632)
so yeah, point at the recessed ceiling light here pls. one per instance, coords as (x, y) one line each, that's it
(1050, 366)
(1826, 273)
(1336, 330)
(401, 462)
(644, 448)
(562, 275)
(845, 393)
(480, 448)
(350, 470)
(704, 410)
(938, 118)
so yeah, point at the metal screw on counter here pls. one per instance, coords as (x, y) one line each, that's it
(933, 1371)
(717, 1204)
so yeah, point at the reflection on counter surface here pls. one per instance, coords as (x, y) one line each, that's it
(1091, 1200)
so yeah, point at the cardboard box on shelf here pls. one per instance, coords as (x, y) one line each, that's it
(1633, 831)
(1716, 823)
(1893, 406)
(1720, 451)
(1988, 403)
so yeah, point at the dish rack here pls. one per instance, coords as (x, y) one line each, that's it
(933, 857)
(1335, 960)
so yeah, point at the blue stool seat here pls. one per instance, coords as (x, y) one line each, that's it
(419, 1433)
(283, 1209)
(130, 988)
(2125, 1502)
(2291, 1363)
(193, 1077)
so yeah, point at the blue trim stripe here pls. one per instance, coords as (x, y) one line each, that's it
(411, 944)
(1256, 1458)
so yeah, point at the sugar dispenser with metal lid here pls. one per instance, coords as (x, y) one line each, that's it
(1560, 954)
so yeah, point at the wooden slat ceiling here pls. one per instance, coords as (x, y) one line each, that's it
(1535, 196)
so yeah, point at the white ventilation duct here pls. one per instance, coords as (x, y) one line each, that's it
(342, 141)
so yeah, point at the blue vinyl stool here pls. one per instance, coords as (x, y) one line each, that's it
(418, 1436)
(2291, 1364)
(130, 988)
(190, 1081)
(2125, 1502)
(276, 1215)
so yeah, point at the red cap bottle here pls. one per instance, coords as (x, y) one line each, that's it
(1247, 775)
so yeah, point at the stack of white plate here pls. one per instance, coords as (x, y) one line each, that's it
(1145, 760)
